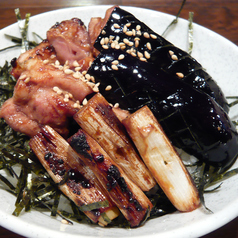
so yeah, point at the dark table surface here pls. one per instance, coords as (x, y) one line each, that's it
(220, 16)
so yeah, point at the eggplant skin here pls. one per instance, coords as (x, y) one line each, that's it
(192, 119)
(160, 53)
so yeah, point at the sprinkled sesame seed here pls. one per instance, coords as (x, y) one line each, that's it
(23, 76)
(52, 56)
(138, 33)
(59, 91)
(147, 55)
(113, 45)
(121, 57)
(102, 60)
(140, 55)
(137, 43)
(66, 100)
(68, 71)
(143, 59)
(77, 75)
(66, 95)
(95, 89)
(55, 88)
(66, 63)
(116, 25)
(27, 80)
(106, 40)
(153, 36)
(102, 41)
(133, 54)
(108, 88)
(128, 24)
(105, 47)
(174, 57)
(124, 29)
(133, 32)
(92, 79)
(117, 47)
(148, 45)
(180, 75)
(87, 76)
(103, 32)
(115, 62)
(116, 105)
(126, 41)
(130, 43)
(146, 35)
(57, 63)
(75, 64)
(129, 33)
(85, 101)
(84, 72)
(70, 95)
(78, 68)
(64, 221)
(60, 67)
(117, 38)
(46, 61)
(138, 27)
(114, 67)
(97, 84)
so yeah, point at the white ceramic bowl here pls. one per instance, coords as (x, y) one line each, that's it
(217, 55)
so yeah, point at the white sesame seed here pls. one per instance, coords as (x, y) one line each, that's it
(117, 47)
(114, 67)
(85, 101)
(84, 72)
(113, 45)
(146, 35)
(143, 59)
(102, 60)
(126, 41)
(46, 61)
(59, 91)
(171, 52)
(106, 40)
(130, 43)
(133, 32)
(138, 33)
(66, 96)
(116, 25)
(137, 43)
(147, 55)
(66, 100)
(133, 54)
(23, 76)
(108, 88)
(92, 79)
(78, 68)
(129, 33)
(117, 38)
(27, 80)
(87, 76)
(95, 89)
(55, 88)
(138, 27)
(52, 56)
(148, 45)
(121, 57)
(140, 55)
(75, 64)
(102, 41)
(57, 63)
(68, 71)
(115, 62)
(174, 57)
(124, 29)
(180, 75)
(105, 47)
(70, 95)
(77, 75)
(116, 105)
(153, 36)
(103, 32)
(128, 24)
(64, 221)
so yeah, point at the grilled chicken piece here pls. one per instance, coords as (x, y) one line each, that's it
(43, 95)
(71, 41)
(162, 159)
(74, 178)
(100, 122)
(128, 197)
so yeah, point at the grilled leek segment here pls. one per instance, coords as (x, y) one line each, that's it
(100, 122)
(128, 197)
(73, 177)
(162, 159)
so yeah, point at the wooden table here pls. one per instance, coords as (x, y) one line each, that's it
(220, 16)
